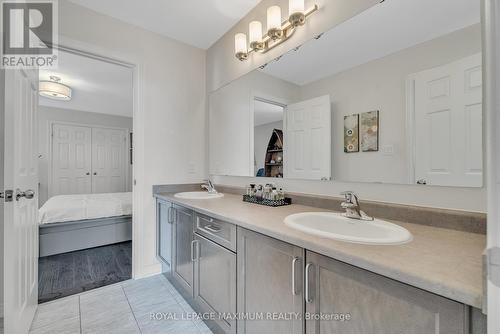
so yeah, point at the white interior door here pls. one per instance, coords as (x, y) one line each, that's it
(108, 160)
(307, 139)
(20, 214)
(71, 160)
(448, 124)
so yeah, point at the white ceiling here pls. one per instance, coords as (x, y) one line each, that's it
(196, 22)
(265, 113)
(97, 86)
(384, 29)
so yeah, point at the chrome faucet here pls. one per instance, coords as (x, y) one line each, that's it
(209, 186)
(352, 208)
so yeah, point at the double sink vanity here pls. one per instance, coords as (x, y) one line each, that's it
(301, 268)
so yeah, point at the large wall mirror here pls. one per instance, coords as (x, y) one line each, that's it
(393, 95)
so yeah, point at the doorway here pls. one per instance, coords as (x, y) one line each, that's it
(85, 159)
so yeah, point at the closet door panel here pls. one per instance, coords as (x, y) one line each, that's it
(108, 160)
(71, 160)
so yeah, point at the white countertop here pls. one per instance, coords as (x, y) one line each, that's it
(442, 261)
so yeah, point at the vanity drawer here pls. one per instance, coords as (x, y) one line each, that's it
(216, 230)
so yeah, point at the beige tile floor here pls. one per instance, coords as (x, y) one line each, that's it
(125, 307)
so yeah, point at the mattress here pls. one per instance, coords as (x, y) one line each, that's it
(63, 208)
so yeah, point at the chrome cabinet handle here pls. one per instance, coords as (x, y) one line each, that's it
(308, 295)
(194, 253)
(294, 261)
(171, 214)
(212, 228)
(28, 194)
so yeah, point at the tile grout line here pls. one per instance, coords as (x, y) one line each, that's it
(80, 314)
(131, 310)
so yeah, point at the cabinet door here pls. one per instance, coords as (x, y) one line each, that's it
(376, 304)
(215, 277)
(269, 279)
(164, 221)
(182, 260)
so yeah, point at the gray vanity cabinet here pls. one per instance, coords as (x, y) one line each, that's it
(183, 253)
(164, 224)
(269, 279)
(375, 303)
(215, 282)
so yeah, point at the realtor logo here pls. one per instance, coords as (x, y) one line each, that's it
(29, 32)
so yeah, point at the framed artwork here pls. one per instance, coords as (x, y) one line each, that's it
(369, 125)
(351, 133)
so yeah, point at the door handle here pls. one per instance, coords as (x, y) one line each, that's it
(294, 262)
(28, 194)
(171, 215)
(88, 173)
(422, 181)
(308, 294)
(95, 173)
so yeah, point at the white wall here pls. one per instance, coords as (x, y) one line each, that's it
(222, 69)
(46, 115)
(262, 134)
(2, 145)
(169, 129)
(231, 119)
(380, 85)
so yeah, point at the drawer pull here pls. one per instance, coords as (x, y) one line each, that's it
(213, 228)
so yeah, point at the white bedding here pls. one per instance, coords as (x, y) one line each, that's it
(65, 208)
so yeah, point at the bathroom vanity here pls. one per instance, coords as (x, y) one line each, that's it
(231, 257)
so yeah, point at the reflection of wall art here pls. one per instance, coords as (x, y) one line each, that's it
(351, 133)
(369, 131)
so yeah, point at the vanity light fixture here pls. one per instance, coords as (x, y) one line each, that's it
(53, 89)
(278, 31)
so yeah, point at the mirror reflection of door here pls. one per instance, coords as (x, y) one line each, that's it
(268, 138)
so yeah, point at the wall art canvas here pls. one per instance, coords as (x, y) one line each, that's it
(351, 133)
(369, 125)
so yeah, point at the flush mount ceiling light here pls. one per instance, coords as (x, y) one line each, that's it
(277, 31)
(53, 89)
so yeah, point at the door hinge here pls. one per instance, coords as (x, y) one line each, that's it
(494, 265)
(8, 195)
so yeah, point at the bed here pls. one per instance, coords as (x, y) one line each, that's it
(73, 222)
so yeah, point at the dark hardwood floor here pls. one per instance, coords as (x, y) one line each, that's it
(70, 273)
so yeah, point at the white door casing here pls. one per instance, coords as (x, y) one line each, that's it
(71, 160)
(448, 124)
(20, 215)
(307, 139)
(109, 160)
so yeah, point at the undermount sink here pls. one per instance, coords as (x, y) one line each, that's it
(198, 195)
(336, 226)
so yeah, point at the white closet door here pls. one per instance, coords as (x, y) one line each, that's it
(448, 124)
(108, 160)
(307, 139)
(71, 160)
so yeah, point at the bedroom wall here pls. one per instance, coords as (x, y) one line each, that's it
(51, 114)
(170, 127)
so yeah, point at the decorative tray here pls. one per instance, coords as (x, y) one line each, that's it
(267, 202)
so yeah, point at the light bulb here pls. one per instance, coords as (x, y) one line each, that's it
(295, 6)
(240, 43)
(273, 18)
(255, 31)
